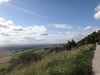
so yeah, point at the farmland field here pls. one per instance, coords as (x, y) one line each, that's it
(5, 56)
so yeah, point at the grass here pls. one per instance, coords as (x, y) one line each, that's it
(39, 51)
(75, 62)
(4, 65)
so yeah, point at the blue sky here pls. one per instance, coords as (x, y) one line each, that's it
(47, 21)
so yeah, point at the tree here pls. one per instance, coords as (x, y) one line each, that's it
(69, 45)
(73, 43)
(98, 35)
(56, 49)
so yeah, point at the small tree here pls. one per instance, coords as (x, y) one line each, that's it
(73, 43)
(56, 49)
(69, 45)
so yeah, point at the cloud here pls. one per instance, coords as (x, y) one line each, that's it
(36, 34)
(61, 26)
(7, 27)
(90, 28)
(30, 39)
(13, 34)
(18, 28)
(97, 14)
(1, 1)
(97, 29)
(4, 34)
(37, 29)
(97, 8)
(76, 35)
(43, 34)
(21, 40)
(4, 23)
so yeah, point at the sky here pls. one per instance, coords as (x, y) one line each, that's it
(47, 21)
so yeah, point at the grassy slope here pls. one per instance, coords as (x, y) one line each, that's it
(61, 63)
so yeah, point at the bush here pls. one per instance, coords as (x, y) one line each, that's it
(24, 59)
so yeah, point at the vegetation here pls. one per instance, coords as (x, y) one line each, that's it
(90, 39)
(23, 59)
(74, 62)
(4, 65)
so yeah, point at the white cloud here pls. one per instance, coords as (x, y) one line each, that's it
(17, 40)
(4, 23)
(7, 27)
(61, 26)
(4, 34)
(97, 8)
(4, 1)
(37, 29)
(90, 28)
(13, 34)
(97, 14)
(18, 28)
(30, 39)
(76, 35)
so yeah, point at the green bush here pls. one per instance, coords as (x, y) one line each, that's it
(24, 59)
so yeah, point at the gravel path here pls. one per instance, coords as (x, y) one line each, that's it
(96, 61)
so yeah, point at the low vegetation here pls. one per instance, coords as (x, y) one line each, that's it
(74, 62)
(23, 59)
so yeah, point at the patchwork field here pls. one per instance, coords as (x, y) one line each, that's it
(4, 59)
(5, 56)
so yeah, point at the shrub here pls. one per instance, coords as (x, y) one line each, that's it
(24, 59)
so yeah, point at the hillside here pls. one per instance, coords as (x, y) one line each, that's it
(60, 63)
(68, 59)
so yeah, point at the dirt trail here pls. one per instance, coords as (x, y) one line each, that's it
(96, 61)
